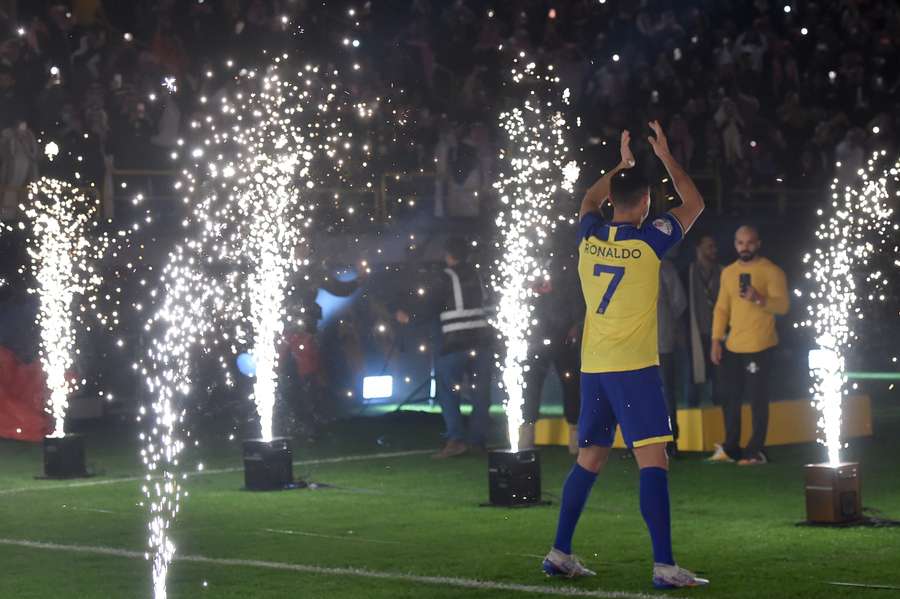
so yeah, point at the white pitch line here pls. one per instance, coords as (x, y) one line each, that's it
(450, 581)
(131, 479)
(88, 509)
(303, 533)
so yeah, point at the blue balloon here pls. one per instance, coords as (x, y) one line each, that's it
(246, 363)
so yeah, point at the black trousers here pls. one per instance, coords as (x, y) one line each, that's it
(667, 363)
(745, 377)
(567, 360)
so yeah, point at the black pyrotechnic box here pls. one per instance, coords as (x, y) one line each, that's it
(514, 477)
(268, 465)
(833, 494)
(64, 457)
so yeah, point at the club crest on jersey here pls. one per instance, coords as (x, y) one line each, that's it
(663, 225)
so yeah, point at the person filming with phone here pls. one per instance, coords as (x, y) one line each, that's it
(752, 291)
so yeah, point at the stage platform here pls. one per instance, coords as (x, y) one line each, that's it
(790, 421)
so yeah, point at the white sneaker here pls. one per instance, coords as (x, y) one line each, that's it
(675, 577)
(757, 461)
(558, 563)
(719, 455)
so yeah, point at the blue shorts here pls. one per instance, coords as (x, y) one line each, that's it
(633, 399)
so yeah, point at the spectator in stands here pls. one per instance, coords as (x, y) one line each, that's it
(12, 107)
(444, 155)
(752, 291)
(468, 174)
(132, 148)
(746, 71)
(18, 166)
(681, 141)
(731, 126)
(703, 276)
(168, 127)
(850, 154)
(670, 306)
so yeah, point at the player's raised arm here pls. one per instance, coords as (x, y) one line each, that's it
(599, 191)
(692, 203)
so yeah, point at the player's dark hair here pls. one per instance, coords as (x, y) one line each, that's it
(627, 188)
(458, 248)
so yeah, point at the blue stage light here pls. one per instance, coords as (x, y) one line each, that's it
(246, 363)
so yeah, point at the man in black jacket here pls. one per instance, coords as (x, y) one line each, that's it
(458, 296)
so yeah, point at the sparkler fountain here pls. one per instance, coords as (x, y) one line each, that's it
(268, 231)
(855, 224)
(256, 159)
(534, 173)
(64, 257)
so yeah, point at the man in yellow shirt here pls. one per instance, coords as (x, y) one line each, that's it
(752, 291)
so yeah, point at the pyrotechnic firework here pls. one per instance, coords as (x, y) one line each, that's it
(258, 159)
(853, 226)
(65, 249)
(534, 173)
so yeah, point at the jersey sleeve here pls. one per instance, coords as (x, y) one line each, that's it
(662, 233)
(588, 223)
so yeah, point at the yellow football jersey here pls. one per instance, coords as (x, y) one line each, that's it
(619, 269)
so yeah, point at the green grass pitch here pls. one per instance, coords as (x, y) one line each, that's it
(406, 526)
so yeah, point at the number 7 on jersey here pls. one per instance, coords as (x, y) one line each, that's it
(617, 273)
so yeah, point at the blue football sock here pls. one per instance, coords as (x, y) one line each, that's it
(574, 495)
(655, 510)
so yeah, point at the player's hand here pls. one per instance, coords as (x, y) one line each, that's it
(625, 150)
(572, 335)
(715, 352)
(752, 295)
(659, 143)
(402, 316)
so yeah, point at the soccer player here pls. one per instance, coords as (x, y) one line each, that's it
(620, 381)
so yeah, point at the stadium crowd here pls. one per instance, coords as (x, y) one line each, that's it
(760, 93)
